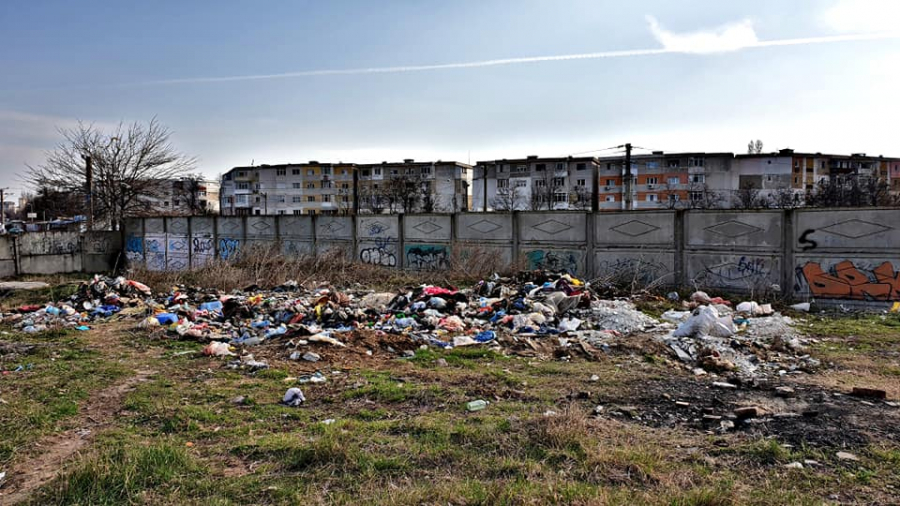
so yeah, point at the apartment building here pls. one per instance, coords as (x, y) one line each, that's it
(411, 186)
(304, 188)
(534, 183)
(770, 173)
(183, 197)
(664, 180)
(328, 188)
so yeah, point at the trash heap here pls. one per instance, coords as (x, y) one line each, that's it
(100, 298)
(749, 339)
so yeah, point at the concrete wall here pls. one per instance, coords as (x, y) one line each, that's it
(59, 252)
(831, 255)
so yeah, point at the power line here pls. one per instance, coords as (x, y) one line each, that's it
(597, 150)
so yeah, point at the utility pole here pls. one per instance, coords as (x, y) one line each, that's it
(355, 172)
(89, 189)
(629, 179)
(3, 206)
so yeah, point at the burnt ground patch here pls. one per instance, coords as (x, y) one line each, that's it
(810, 416)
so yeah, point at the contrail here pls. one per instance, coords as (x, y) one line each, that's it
(528, 59)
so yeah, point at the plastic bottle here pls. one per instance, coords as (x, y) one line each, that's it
(260, 324)
(476, 405)
(277, 331)
(211, 306)
(52, 310)
(166, 318)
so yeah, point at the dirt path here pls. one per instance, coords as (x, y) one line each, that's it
(49, 455)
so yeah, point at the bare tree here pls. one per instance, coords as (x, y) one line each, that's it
(128, 163)
(580, 198)
(191, 190)
(700, 196)
(507, 199)
(748, 196)
(541, 191)
(851, 191)
(409, 191)
(670, 197)
(785, 198)
(755, 147)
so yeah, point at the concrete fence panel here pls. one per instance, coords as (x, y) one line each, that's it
(486, 238)
(230, 236)
(649, 229)
(134, 241)
(335, 233)
(296, 234)
(378, 240)
(735, 251)
(101, 251)
(178, 243)
(553, 240)
(7, 259)
(428, 228)
(203, 240)
(49, 252)
(848, 255)
(637, 249)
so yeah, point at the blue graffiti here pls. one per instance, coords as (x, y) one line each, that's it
(228, 248)
(553, 260)
(134, 244)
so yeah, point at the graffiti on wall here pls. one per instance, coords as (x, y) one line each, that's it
(427, 257)
(377, 255)
(155, 252)
(203, 248)
(134, 249)
(846, 280)
(745, 269)
(553, 260)
(643, 271)
(228, 248)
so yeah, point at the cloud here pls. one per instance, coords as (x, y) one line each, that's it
(862, 16)
(726, 38)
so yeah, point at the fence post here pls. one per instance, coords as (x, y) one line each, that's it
(315, 236)
(515, 239)
(681, 280)
(589, 237)
(787, 258)
(400, 238)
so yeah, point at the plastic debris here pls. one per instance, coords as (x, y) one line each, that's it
(293, 397)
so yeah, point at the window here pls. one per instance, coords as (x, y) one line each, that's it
(279, 199)
(296, 186)
(377, 171)
(241, 199)
(652, 198)
(345, 186)
(559, 181)
(310, 172)
(521, 183)
(610, 198)
(326, 198)
(344, 172)
(241, 173)
(256, 186)
(560, 197)
(346, 198)
(652, 180)
(695, 162)
(652, 165)
(698, 178)
(326, 184)
(426, 170)
(295, 172)
(326, 171)
(610, 182)
(581, 166)
(609, 166)
(540, 183)
(298, 212)
(310, 211)
(560, 166)
(582, 182)
(674, 164)
(281, 211)
(280, 172)
(310, 185)
(674, 180)
(311, 198)
(257, 200)
(366, 173)
(540, 167)
(166, 204)
(296, 199)
(243, 186)
(501, 168)
(674, 198)
(503, 183)
(394, 172)
(695, 196)
(521, 168)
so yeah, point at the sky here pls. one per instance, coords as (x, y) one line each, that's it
(241, 82)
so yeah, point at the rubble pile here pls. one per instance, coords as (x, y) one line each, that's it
(749, 339)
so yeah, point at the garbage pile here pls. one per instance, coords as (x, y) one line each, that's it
(99, 298)
(750, 338)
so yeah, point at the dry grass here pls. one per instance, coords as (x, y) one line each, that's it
(268, 266)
